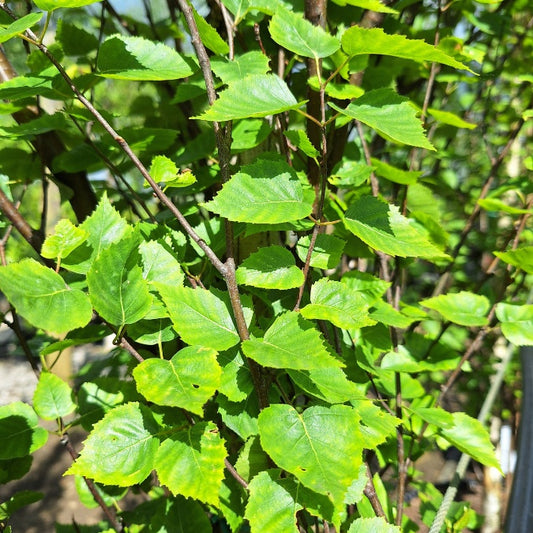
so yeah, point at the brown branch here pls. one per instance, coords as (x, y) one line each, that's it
(48, 146)
(370, 492)
(33, 237)
(231, 469)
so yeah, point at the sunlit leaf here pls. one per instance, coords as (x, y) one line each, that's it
(290, 342)
(271, 508)
(295, 33)
(361, 41)
(208, 321)
(136, 58)
(446, 117)
(327, 384)
(468, 435)
(372, 5)
(326, 252)
(191, 462)
(516, 323)
(117, 289)
(390, 115)
(337, 303)
(52, 398)
(257, 95)
(19, 26)
(209, 36)
(521, 258)
(383, 227)
(373, 525)
(188, 380)
(65, 239)
(248, 64)
(265, 192)
(121, 448)
(50, 5)
(271, 267)
(464, 308)
(403, 177)
(42, 297)
(322, 446)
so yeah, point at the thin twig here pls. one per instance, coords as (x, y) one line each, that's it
(231, 469)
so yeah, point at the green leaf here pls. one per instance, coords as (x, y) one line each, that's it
(434, 415)
(135, 58)
(50, 5)
(97, 397)
(117, 288)
(248, 64)
(271, 267)
(249, 133)
(363, 41)
(65, 239)
(19, 26)
(188, 380)
(382, 227)
(159, 265)
(20, 433)
(372, 525)
(337, 303)
(235, 382)
(105, 226)
(322, 446)
(208, 322)
(384, 312)
(328, 384)
(372, 5)
(121, 449)
(163, 169)
(326, 252)
(403, 360)
(265, 192)
(446, 117)
(184, 515)
(257, 95)
(403, 177)
(516, 323)
(521, 258)
(209, 36)
(240, 417)
(42, 297)
(52, 397)
(271, 507)
(391, 115)
(290, 342)
(464, 308)
(74, 40)
(19, 500)
(370, 287)
(470, 437)
(252, 459)
(191, 463)
(495, 204)
(295, 33)
(378, 425)
(300, 139)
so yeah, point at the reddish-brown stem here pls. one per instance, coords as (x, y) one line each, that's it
(231, 469)
(223, 141)
(33, 237)
(370, 492)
